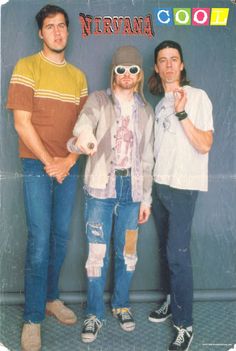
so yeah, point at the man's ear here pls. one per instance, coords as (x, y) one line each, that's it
(155, 68)
(40, 34)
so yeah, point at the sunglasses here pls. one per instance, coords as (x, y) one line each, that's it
(123, 69)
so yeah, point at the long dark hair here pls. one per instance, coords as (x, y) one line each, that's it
(154, 82)
(50, 10)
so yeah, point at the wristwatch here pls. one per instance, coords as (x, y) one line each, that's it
(181, 115)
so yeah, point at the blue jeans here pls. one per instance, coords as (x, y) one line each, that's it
(173, 211)
(48, 206)
(103, 217)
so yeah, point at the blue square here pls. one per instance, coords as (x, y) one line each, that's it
(163, 16)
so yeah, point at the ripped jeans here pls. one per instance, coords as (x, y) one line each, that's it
(103, 217)
(173, 211)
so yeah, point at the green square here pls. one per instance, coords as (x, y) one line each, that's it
(182, 16)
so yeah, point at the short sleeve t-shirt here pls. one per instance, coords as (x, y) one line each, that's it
(177, 163)
(52, 93)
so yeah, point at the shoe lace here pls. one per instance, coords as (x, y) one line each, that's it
(163, 308)
(91, 322)
(125, 313)
(180, 337)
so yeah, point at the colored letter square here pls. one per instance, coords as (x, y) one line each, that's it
(219, 16)
(182, 16)
(163, 16)
(201, 16)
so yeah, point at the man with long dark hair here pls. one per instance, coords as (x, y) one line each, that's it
(46, 94)
(183, 138)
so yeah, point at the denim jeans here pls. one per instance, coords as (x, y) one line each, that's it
(173, 211)
(103, 217)
(48, 206)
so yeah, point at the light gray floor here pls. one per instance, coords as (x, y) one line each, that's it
(214, 330)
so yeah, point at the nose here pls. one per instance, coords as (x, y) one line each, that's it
(127, 73)
(169, 63)
(56, 29)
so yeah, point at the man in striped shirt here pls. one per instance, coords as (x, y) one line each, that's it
(46, 94)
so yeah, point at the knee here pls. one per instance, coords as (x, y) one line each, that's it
(179, 259)
(37, 259)
(95, 232)
(59, 239)
(97, 250)
(60, 229)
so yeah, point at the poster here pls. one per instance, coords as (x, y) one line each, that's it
(206, 30)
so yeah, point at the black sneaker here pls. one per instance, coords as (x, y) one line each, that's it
(125, 318)
(161, 314)
(182, 340)
(90, 329)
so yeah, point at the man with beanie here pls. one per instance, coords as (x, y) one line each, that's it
(118, 180)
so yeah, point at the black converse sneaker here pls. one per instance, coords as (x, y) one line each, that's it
(182, 340)
(161, 314)
(125, 318)
(91, 327)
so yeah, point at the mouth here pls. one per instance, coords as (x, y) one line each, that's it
(126, 79)
(58, 41)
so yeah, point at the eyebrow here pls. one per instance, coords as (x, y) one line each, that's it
(55, 24)
(165, 57)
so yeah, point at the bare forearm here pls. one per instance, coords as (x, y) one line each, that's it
(199, 139)
(30, 137)
(72, 158)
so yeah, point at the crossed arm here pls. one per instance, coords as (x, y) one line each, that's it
(57, 167)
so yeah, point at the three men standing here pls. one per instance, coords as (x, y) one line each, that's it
(47, 94)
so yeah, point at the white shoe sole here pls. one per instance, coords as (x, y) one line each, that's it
(160, 320)
(88, 340)
(127, 328)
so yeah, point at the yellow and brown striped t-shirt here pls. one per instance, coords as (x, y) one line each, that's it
(52, 93)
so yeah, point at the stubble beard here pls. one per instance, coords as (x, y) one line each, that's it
(57, 51)
(126, 84)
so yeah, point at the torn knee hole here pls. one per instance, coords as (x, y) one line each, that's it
(94, 229)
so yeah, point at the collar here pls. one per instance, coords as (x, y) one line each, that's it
(63, 63)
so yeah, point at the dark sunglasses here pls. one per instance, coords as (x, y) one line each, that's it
(123, 69)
